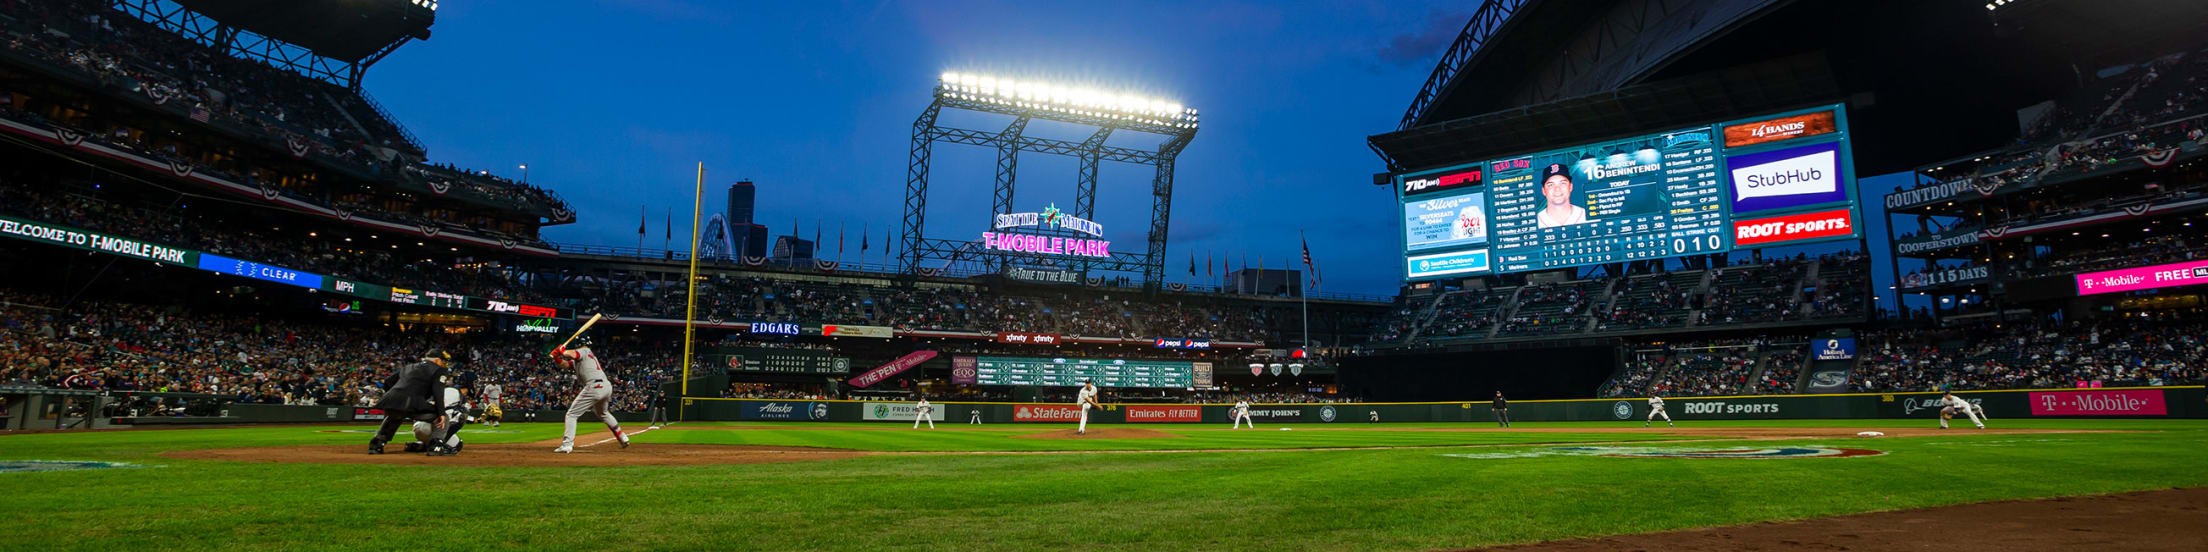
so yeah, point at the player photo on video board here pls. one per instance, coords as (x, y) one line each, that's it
(1602, 202)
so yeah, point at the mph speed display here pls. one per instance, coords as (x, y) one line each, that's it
(1066, 372)
(1778, 179)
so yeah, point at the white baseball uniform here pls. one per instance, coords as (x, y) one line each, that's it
(1951, 405)
(1086, 398)
(456, 413)
(596, 396)
(1242, 415)
(1656, 408)
(920, 413)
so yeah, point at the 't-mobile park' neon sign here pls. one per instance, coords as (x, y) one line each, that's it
(1051, 245)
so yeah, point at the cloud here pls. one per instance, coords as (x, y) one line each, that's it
(1425, 44)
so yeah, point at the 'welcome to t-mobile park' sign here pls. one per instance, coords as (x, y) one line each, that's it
(2146, 277)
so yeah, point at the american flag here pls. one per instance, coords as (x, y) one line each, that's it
(201, 114)
(1307, 262)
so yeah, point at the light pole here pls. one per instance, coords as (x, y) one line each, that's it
(525, 173)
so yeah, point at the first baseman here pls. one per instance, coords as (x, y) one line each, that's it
(920, 414)
(594, 396)
(1241, 413)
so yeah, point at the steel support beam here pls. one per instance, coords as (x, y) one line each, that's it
(916, 184)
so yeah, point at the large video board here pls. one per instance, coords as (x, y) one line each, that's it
(1063, 372)
(1780, 179)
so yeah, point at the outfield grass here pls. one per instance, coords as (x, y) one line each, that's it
(1412, 498)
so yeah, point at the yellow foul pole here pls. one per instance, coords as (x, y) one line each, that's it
(690, 312)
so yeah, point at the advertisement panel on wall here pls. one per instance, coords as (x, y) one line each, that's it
(1660, 194)
(2145, 277)
(1836, 348)
(2100, 402)
(1046, 413)
(785, 410)
(903, 363)
(899, 411)
(1186, 414)
(840, 330)
(1066, 372)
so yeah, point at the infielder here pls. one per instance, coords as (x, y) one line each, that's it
(920, 414)
(491, 411)
(1950, 405)
(413, 392)
(1656, 408)
(593, 397)
(1087, 398)
(1241, 413)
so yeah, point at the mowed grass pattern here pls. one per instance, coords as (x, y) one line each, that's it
(1412, 498)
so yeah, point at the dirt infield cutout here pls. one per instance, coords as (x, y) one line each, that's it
(1101, 433)
(526, 455)
(2149, 521)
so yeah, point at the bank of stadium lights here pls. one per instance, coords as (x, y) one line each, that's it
(431, 4)
(1065, 99)
(1998, 4)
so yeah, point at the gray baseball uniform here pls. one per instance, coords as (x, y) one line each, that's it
(596, 396)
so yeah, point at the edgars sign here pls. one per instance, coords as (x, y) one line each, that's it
(774, 328)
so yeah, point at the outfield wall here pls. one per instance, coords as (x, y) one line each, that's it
(2130, 402)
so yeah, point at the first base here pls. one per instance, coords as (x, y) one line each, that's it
(1870, 434)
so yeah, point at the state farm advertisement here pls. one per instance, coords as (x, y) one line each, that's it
(1787, 178)
(1781, 128)
(2145, 277)
(1165, 414)
(1046, 413)
(2112, 402)
(1027, 338)
(1785, 228)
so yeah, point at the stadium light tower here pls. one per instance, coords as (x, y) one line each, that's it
(1024, 100)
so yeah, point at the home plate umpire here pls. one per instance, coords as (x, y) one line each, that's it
(415, 392)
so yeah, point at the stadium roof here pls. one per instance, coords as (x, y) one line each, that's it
(344, 30)
(1923, 80)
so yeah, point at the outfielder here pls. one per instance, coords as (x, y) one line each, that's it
(920, 414)
(413, 392)
(1950, 405)
(1656, 408)
(594, 396)
(976, 420)
(491, 411)
(1087, 398)
(1241, 414)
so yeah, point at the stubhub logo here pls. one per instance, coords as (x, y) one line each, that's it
(1807, 174)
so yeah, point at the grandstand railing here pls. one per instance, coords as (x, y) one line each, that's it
(404, 134)
(1490, 16)
(892, 270)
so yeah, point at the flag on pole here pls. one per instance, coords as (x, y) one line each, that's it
(1307, 264)
(1191, 264)
(839, 241)
(816, 235)
(670, 234)
(1207, 264)
(862, 241)
(639, 222)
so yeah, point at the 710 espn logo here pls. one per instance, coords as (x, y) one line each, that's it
(524, 310)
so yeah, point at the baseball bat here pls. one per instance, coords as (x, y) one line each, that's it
(579, 331)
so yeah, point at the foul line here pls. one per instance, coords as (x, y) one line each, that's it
(632, 436)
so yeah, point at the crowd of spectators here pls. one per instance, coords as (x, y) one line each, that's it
(2165, 349)
(251, 359)
(1698, 369)
(87, 208)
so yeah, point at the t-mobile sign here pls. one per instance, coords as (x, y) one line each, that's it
(2145, 277)
(2112, 402)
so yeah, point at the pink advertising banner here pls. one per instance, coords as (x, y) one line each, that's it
(2145, 277)
(2109, 402)
(902, 363)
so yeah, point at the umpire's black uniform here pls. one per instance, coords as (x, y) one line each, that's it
(414, 392)
(1502, 410)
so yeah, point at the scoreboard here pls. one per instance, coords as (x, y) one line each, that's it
(1779, 179)
(1068, 372)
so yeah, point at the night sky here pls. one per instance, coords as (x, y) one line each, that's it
(612, 103)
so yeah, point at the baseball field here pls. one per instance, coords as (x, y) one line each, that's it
(795, 486)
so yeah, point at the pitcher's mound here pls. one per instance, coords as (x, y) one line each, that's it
(526, 454)
(1101, 433)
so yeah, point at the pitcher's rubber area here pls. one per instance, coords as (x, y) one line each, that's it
(2151, 521)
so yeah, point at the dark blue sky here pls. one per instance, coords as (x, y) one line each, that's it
(613, 102)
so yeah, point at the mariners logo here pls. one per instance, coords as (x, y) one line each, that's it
(1326, 413)
(820, 411)
(1622, 409)
(881, 411)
